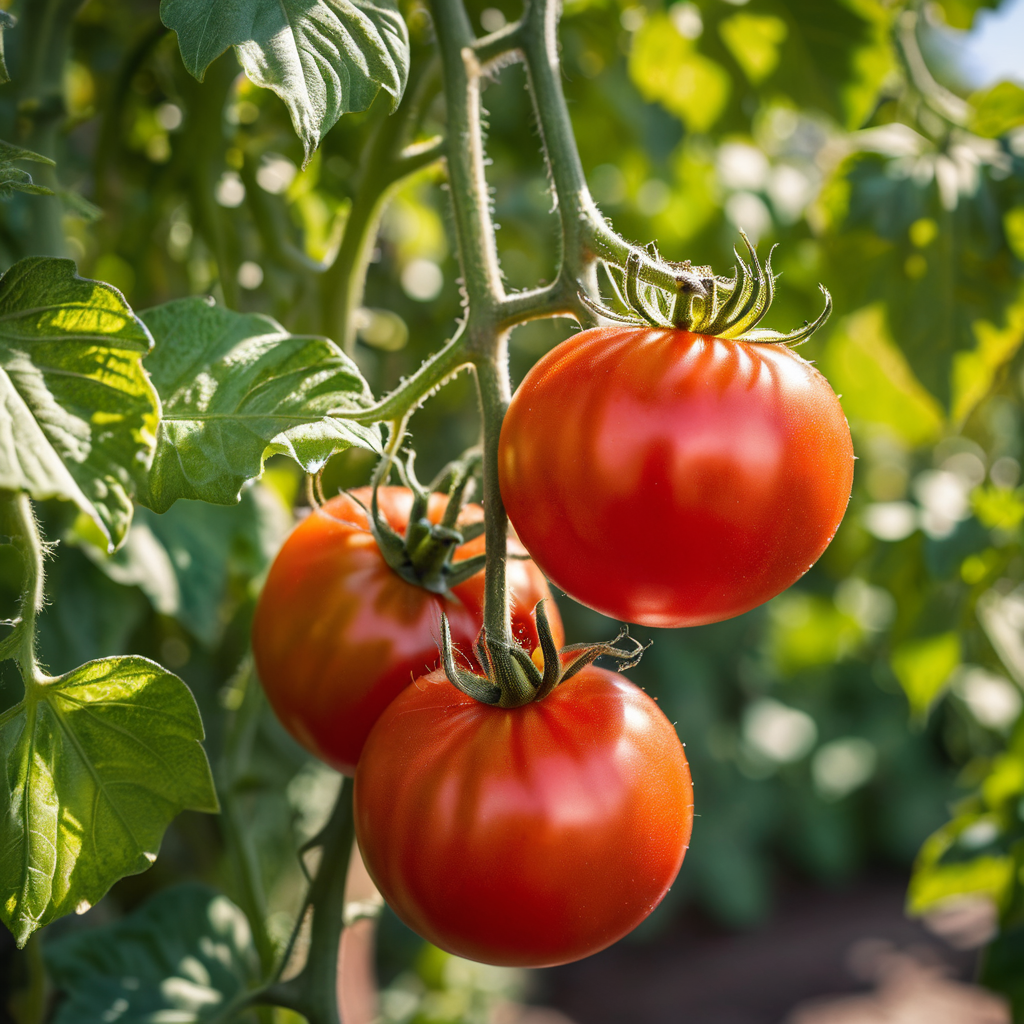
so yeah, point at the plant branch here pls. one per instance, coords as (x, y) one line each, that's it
(19, 522)
(313, 992)
(44, 43)
(411, 393)
(586, 235)
(387, 161)
(950, 107)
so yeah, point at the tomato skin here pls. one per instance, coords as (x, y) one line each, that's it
(526, 837)
(672, 479)
(337, 634)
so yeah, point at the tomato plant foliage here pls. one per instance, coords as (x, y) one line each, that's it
(242, 243)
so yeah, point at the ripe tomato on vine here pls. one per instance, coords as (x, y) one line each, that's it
(338, 633)
(694, 477)
(528, 836)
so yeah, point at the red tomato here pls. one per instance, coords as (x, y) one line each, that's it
(672, 479)
(338, 635)
(531, 836)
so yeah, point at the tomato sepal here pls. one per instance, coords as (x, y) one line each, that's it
(724, 307)
(513, 678)
(423, 556)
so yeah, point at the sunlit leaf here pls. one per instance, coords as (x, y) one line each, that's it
(932, 885)
(807, 631)
(960, 13)
(668, 68)
(975, 371)
(754, 41)
(237, 388)
(324, 58)
(997, 110)
(80, 413)
(183, 560)
(922, 231)
(97, 763)
(877, 386)
(183, 956)
(923, 668)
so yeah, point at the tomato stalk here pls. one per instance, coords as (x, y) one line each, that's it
(18, 520)
(388, 160)
(313, 992)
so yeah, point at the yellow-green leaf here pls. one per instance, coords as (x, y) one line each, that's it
(667, 68)
(997, 110)
(876, 383)
(754, 41)
(924, 667)
(96, 764)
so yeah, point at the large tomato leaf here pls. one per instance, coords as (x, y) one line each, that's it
(184, 955)
(80, 413)
(324, 58)
(237, 388)
(96, 764)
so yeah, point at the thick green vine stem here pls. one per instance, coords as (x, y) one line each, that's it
(18, 521)
(388, 160)
(313, 992)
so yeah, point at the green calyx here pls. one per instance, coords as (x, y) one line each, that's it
(424, 556)
(512, 678)
(730, 307)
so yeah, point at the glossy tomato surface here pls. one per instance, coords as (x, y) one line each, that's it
(337, 634)
(526, 837)
(671, 479)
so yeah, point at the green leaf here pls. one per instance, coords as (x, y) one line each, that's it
(81, 413)
(183, 956)
(667, 67)
(237, 388)
(324, 58)
(877, 386)
(97, 763)
(960, 13)
(754, 41)
(975, 371)
(997, 110)
(183, 560)
(908, 229)
(6, 21)
(923, 668)
(14, 179)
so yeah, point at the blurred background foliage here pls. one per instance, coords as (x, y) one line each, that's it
(869, 716)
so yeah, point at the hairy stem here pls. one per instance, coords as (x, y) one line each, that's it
(19, 523)
(384, 166)
(314, 991)
(44, 43)
(495, 393)
(586, 235)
